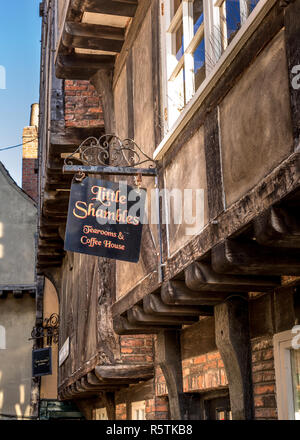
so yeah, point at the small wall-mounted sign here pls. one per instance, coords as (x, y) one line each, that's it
(64, 352)
(105, 219)
(42, 362)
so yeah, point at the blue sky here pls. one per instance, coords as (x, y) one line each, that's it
(20, 34)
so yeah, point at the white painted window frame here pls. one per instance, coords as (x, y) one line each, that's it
(213, 29)
(213, 73)
(283, 374)
(137, 407)
(244, 14)
(170, 24)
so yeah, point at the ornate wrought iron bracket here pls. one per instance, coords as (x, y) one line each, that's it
(109, 155)
(49, 329)
(113, 156)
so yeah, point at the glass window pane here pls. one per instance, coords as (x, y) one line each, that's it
(199, 64)
(251, 5)
(197, 14)
(295, 360)
(233, 19)
(179, 42)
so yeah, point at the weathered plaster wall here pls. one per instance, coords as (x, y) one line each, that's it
(141, 121)
(177, 177)
(120, 102)
(256, 132)
(17, 317)
(18, 219)
(48, 388)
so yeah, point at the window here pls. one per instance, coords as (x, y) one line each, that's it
(232, 14)
(287, 371)
(185, 52)
(100, 414)
(195, 33)
(138, 410)
(217, 408)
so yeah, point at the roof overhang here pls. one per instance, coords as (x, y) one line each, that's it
(91, 35)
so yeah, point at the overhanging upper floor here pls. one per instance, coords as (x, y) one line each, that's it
(92, 35)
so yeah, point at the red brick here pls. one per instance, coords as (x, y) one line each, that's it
(126, 350)
(210, 365)
(132, 342)
(267, 354)
(264, 389)
(259, 345)
(200, 359)
(220, 364)
(258, 401)
(265, 413)
(267, 365)
(213, 356)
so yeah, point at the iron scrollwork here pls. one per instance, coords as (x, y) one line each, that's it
(49, 329)
(110, 150)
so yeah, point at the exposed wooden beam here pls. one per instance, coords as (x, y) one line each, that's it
(152, 304)
(110, 405)
(95, 37)
(74, 73)
(95, 31)
(48, 233)
(136, 315)
(281, 182)
(72, 137)
(122, 326)
(176, 292)
(124, 372)
(88, 387)
(278, 226)
(170, 361)
(85, 62)
(92, 379)
(238, 257)
(233, 342)
(111, 7)
(201, 276)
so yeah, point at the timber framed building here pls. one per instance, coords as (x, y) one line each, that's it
(210, 91)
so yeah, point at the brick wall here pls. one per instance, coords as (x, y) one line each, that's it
(161, 388)
(263, 374)
(205, 372)
(157, 408)
(137, 348)
(200, 373)
(29, 165)
(82, 105)
(121, 411)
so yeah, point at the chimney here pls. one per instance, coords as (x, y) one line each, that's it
(30, 154)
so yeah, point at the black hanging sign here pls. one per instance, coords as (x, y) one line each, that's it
(42, 362)
(105, 219)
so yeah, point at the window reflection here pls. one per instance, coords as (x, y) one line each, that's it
(233, 17)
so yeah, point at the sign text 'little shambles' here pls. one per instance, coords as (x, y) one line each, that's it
(105, 219)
